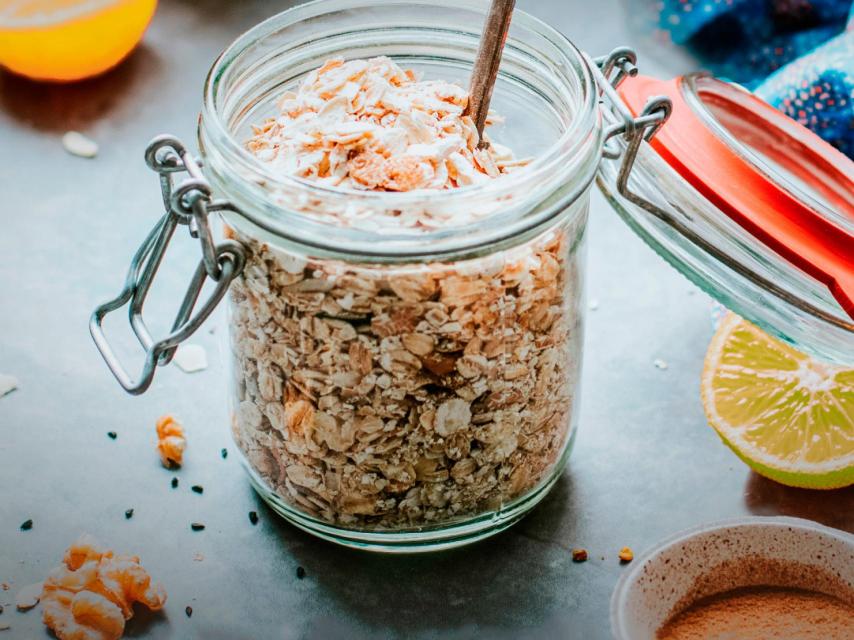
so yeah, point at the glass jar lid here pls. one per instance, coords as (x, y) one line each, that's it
(748, 204)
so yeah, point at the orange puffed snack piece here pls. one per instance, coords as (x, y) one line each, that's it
(91, 595)
(171, 441)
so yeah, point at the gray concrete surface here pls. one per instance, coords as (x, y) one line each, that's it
(646, 464)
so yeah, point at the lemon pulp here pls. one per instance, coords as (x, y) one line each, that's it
(788, 416)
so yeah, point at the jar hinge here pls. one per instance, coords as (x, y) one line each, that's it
(187, 203)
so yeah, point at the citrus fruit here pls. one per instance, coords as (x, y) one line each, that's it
(788, 416)
(65, 40)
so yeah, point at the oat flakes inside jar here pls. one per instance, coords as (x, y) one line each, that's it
(405, 309)
(406, 333)
(405, 359)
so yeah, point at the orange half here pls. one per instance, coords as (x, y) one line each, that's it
(65, 40)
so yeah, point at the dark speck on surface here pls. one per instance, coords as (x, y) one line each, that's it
(197, 526)
(26, 525)
(253, 517)
(112, 435)
(197, 488)
(129, 514)
(174, 483)
(300, 573)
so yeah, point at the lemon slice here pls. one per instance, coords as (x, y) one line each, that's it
(788, 416)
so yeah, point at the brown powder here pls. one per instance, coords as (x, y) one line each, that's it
(766, 613)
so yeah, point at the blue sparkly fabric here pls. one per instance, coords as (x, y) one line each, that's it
(798, 55)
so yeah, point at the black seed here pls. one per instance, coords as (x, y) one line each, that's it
(189, 612)
(197, 526)
(112, 435)
(224, 453)
(129, 514)
(300, 573)
(198, 488)
(174, 483)
(253, 517)
(26, 525)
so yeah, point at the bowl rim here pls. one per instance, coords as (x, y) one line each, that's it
(622, 588)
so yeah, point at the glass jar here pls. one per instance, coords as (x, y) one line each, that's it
(415, 387)
(412, 385)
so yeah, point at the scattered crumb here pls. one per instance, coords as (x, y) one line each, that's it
(626, 555)
(594, 304)
(112, 435)
(224, 453)
(253, 517)
(4, 626)
(660, 364)
(191, 358)
(197, 488)
(170, 442)
(189, 612)
(28, 596)
(198, 557)
(4, 586)
(129, 514)
(197, 526)
(174, 483)
(7, 384)
(77, 144)
(300, 573)
(579, 555)
(26, 525)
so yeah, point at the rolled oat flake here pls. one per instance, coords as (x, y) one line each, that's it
(77, 144)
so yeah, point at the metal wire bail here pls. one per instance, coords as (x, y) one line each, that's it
(189, 204)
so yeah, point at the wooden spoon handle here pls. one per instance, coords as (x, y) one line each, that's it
(488, 60)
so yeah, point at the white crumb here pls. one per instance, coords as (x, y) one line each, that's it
(191, 358)
(29, 596)
(77, 144)
(7, 384)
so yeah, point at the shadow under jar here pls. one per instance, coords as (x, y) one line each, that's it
(395, 386)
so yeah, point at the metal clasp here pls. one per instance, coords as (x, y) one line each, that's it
(188, 203)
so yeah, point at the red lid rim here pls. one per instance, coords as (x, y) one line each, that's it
(753, 199)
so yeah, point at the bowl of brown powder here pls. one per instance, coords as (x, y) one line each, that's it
(752, 577)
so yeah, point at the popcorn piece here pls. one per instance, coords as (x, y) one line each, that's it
(91, 595)
(170, 441)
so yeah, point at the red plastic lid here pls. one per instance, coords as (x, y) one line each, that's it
(776, 179)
